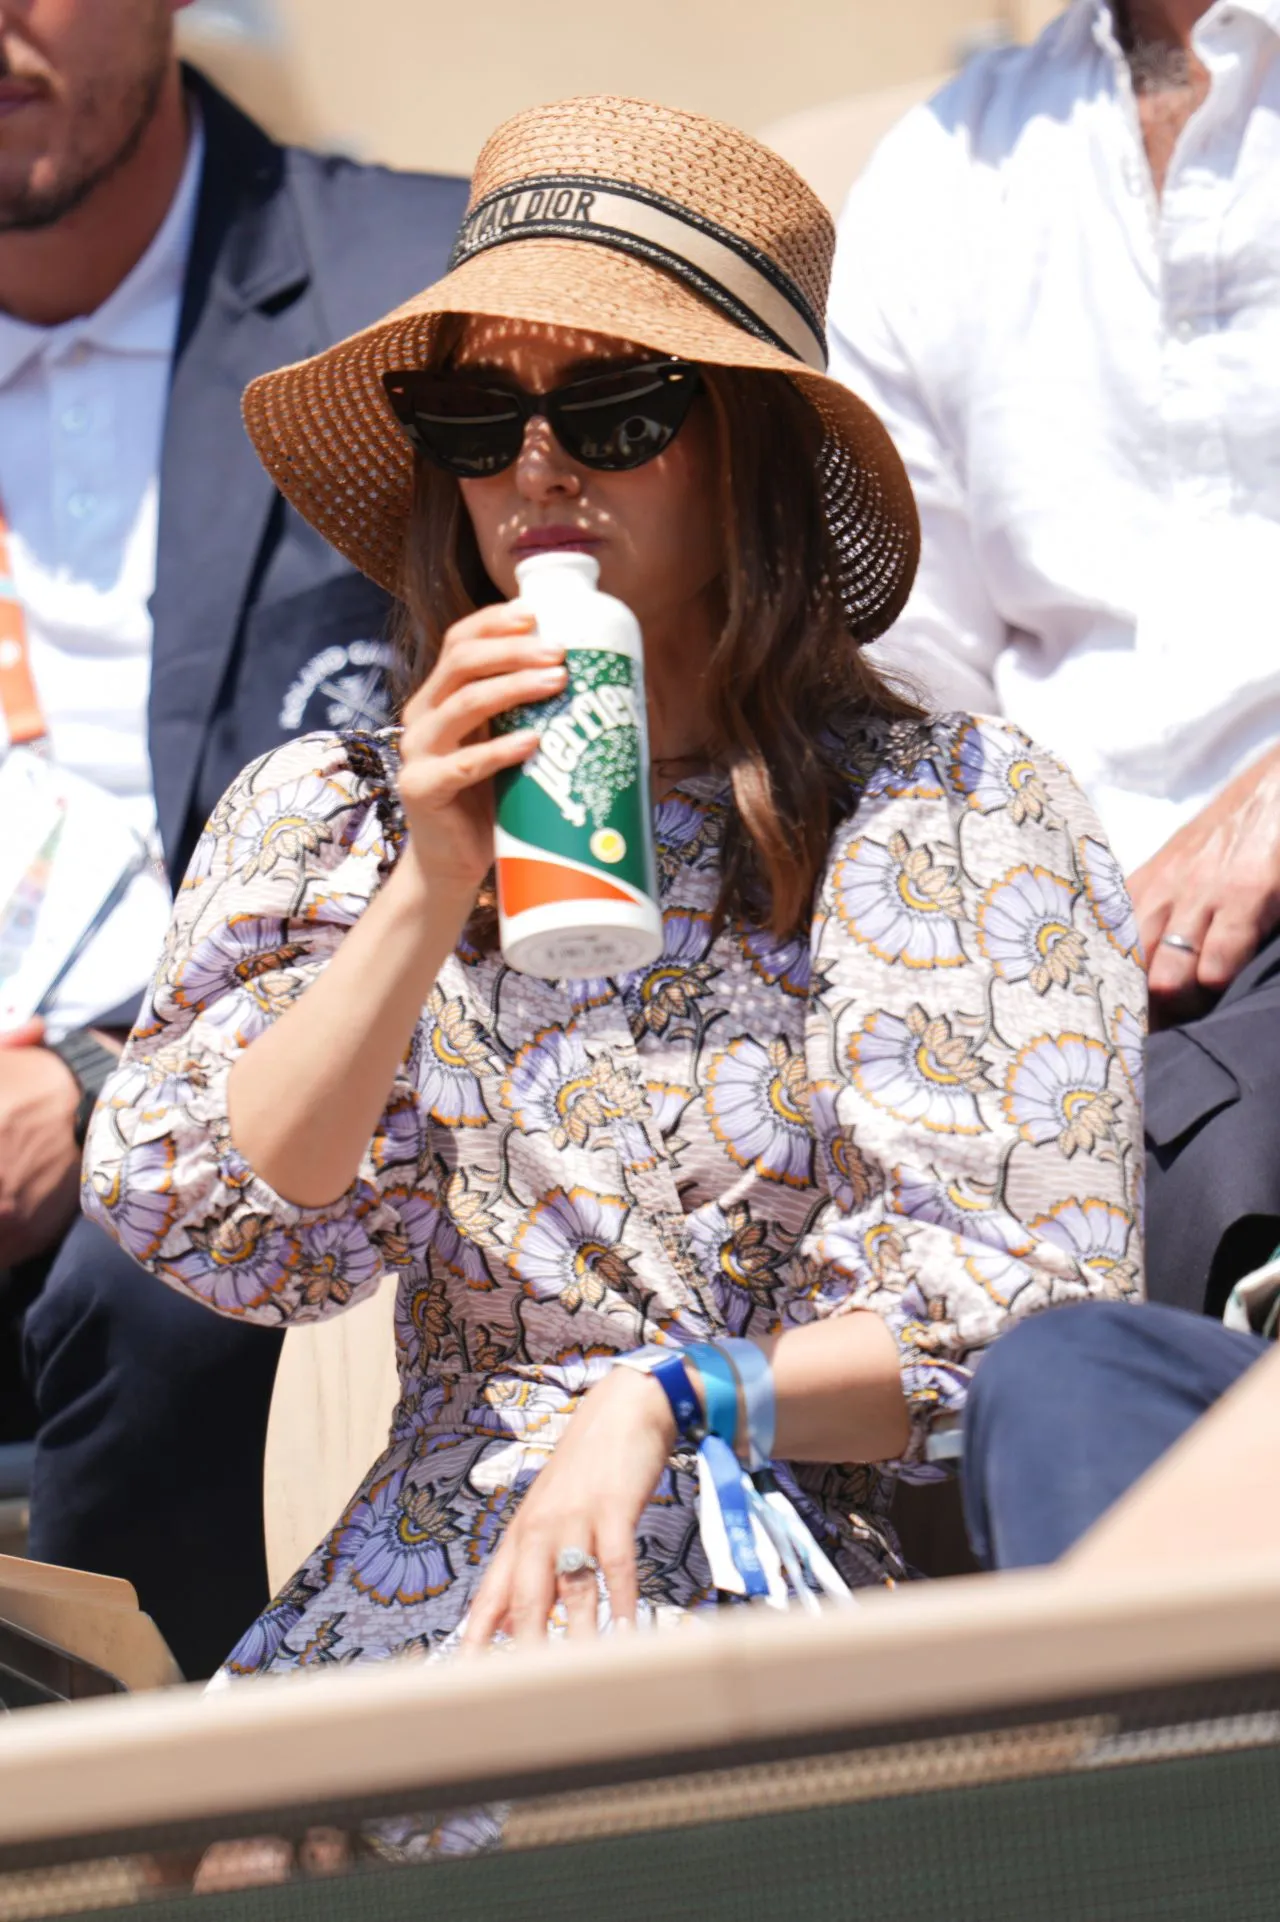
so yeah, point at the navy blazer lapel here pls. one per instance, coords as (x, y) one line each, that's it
(245, 310)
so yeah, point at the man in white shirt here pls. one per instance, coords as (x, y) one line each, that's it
(176, 619)
(1059, 284)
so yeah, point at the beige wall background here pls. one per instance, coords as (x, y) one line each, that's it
(419, 83)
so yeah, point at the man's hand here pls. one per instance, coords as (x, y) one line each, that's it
(1216, 887)
(39, 1159)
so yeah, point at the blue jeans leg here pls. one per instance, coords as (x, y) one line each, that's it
(1069, 1408)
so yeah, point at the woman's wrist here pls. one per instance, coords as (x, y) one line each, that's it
(643, 1397)
(442, 903)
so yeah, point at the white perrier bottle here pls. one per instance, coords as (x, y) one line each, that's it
(573, 840)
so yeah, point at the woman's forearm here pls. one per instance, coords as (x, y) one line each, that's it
(305, 1096)
(839, 1391)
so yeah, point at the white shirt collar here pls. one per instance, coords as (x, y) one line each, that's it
(140, 315)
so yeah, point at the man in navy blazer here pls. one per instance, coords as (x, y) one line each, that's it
(151, 1412)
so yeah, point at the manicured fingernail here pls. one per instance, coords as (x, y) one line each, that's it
(551, 677)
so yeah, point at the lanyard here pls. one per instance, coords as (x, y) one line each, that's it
(19, 701)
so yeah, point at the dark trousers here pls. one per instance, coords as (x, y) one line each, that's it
(1070, 1407)
(1213, 1143)
(153, 1418)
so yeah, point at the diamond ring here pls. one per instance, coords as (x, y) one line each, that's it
(575, 1561)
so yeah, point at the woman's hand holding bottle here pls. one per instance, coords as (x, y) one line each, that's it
(306, 1097)
(492, 661)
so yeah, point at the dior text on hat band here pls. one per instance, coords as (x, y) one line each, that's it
(742, 282)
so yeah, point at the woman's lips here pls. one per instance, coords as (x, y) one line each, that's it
(16, 94)
(544, 540)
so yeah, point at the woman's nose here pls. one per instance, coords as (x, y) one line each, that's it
(543, 469)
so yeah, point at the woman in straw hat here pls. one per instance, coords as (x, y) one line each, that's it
(878, 1095)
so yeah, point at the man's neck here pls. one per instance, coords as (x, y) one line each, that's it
(1169, 80)
(1167, 19)
(54, 274)
(1160, 23)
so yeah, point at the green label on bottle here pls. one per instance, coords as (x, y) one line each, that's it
(583, 797)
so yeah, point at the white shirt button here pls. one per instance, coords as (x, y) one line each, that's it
(81, 504)
(77, 354)
(75, 419)
(1185, 330)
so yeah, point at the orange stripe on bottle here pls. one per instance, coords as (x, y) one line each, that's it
(526, 884)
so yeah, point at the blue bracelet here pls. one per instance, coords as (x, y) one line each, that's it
(668, 1370)
(720, 1385)
(756, 1378)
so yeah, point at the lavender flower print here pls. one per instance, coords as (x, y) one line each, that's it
(1096, 1234)
(394, 1542)
(1104, 884)
(920, 1070)
(1056, 1091)
(997, 769)
(282, 824)
(758, 1109)
(1025, 925)
(900, 902)
(871, 1110)
(566, 1248)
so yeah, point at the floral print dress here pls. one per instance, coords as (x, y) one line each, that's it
(927, 1108)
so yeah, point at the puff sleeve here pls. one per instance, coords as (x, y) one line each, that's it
(292, 855)
(973, 1048)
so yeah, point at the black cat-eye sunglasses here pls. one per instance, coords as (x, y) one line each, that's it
(612, 421)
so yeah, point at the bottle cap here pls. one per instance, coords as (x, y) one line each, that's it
(565, 562)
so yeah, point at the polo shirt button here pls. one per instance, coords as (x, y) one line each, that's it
(81, 504)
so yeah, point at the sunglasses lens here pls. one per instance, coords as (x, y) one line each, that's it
(616, 421)
(468, 429)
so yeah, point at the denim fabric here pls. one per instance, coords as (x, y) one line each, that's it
(1069, 1408)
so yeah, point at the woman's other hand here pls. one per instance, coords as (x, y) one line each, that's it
(590, 1495)
(492, 661)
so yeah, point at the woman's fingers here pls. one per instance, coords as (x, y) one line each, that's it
(438, 779)
(485, 655)
(579, 1593)
(533, 1592)
(616, 1549)
(488, 1611)
(494, 640)
(522, 1588)
(473, 706)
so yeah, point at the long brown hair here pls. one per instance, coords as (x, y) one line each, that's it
(787, 684)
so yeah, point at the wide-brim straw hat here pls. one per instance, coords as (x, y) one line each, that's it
(618, 217)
